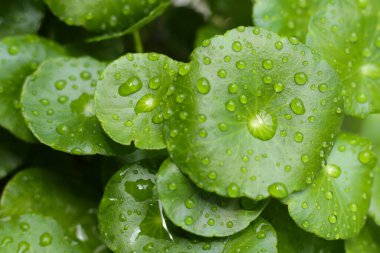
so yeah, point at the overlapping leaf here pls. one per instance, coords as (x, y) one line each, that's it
(249, 94)
(200, 212)
(20, 56)
(112, 18)
(58, 105)
(336, 203)
(131, 219)
(130, 98)
(42, 192)
(347, 34)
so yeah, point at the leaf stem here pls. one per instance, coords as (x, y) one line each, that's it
(138, 44)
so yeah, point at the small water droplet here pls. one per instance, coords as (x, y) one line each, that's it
(85, 75)
(230, 106)
(332, 219)
(189, 220)
(298, 137)
(211, 222)
(237, 46)
(60, 85)
(62, 129)
(328, 195)
(222, 73)
(300, 78)
(172, 186)
(189, 203)
(233, 190)
(154, 83)
(203, 85)
(45, 239)
(267, 64)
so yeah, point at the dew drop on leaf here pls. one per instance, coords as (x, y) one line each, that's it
(333, 170)
(297, 106)
(132, 85)
(278, 190)
(140, 189)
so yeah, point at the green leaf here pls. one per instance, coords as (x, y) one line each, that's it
(130, 98)
(352, 46)
(374, 208)
(336, 203)
(366, 242)
(111, 18)
(249, 94)
(12, 153)
(286, 17)
(292, 238)
(59, 107)
(43, 192)
(20, 17)
(200, 212)
(20, 56)
(34, 233)
(131, 219)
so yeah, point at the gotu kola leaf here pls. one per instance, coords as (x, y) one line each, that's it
(131, 219)
(334, 206)
(199, 212)
(20, 56)
(130, 97)
(35, 233)
(58, 105)
(43, 192)
(352, 46)
(248, 94)
(112, 18)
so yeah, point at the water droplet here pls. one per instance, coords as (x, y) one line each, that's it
(333, 170)
(132, 85)
(154, 83)
(261, 235)
(13, 50)
(222, 126)
(23, 247)
(140, 189)
(222, 73)
(233, 190)
(278, 190)
(361, 98)
(146, 104)
(183, 69)
(44, 102)
(241, 64)
(60, 85)
(279, 45)
(62, 99)
(328, 195)
(206, 60)
(278, 87)
(332, 219)
(189, 203)
(189, 220)
(237, 46)
(45, 239)
(297, 106)
(243, 99)
(298, 137)
(230, 106)
(203, 85)
(212, 175)
(304, 205)
(62, 129)
(211, 222)
(365, 157)
(230, 224)
(353, 207)
(262, 125)
(305, 223)
(233, 88)
(300, 78)
(85, 75)
(267, 64)
(172, 186)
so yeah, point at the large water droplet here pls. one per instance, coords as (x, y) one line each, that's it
(333, 170)
(132, 85)
(146, 104)
(297, 106)
(262, 125)
(140, 189)
(278, 190)
(203, 85)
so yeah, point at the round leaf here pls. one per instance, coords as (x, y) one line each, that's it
(42, 192)
(112, 17)
(131, 219)
(34, 233)
(336, 203)
(20, 17)
(292, 238)
(59, 106)
(199, 212)
(20, 56)
(249, 94)
(130, 97)
(352, 46)
(286, 17)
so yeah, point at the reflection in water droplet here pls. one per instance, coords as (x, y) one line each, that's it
(262, 125)
(132, 85)
(140, 189)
